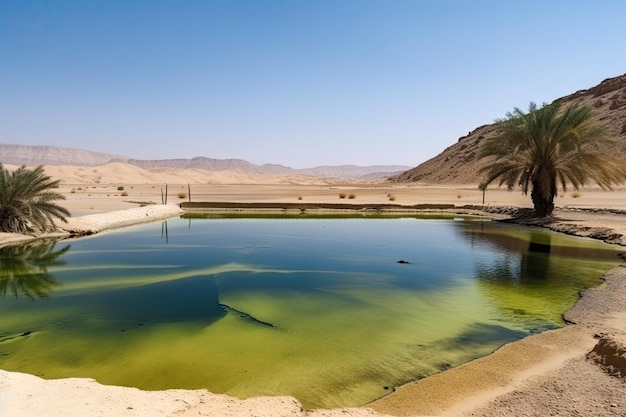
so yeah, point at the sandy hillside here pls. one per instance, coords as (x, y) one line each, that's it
(123, 173)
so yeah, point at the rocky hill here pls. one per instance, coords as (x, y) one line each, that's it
(458, 164)
(326, 171)
(54, 155)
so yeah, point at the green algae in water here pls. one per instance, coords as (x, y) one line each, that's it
(315, 308)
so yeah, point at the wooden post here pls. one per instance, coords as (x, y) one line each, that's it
(189, 192)
(483, 186)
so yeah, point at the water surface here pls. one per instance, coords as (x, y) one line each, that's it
(320, 309)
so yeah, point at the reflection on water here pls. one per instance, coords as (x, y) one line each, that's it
(316, 308)
(24, 269)
(531, 272)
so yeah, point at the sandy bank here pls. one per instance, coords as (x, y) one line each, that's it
(27, 395)
(544, 374)
(95, 223)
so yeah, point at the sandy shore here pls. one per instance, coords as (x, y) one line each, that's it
(546, 374)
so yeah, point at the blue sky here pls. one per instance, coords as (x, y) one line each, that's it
(300, 82)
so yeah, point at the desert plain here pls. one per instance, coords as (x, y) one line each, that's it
(553, 373)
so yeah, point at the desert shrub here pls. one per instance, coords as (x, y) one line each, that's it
(343, 195)
(300, 197)
(352, 196)
(182, 194)
(576, 194)
(120, 188)
(392, 197)
(124, 194)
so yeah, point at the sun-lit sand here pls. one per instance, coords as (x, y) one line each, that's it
(546, 374)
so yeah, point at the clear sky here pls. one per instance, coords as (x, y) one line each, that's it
(295, 82)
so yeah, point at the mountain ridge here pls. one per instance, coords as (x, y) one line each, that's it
(32, 155)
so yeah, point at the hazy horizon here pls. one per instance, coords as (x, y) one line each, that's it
(130, 157)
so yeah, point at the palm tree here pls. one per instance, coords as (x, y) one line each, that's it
(551, 146)
(27, 202)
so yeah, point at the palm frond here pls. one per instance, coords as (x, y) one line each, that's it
(550, 146)
(27, 202)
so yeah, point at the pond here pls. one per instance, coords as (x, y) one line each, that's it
(336, 312)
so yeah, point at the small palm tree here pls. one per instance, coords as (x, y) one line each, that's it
(550, 146)
(27, 202)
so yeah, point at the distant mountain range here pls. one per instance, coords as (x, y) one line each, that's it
(54, 155)
(458, 164)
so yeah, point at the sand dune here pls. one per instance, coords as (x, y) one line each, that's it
(123, 173)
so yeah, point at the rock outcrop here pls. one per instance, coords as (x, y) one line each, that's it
(610, 354)
(53, 155)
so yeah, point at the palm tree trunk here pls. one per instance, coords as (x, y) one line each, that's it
(543, 198)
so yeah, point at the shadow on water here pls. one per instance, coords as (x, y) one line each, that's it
(534, 264)
(533, 249)
(476, 340)
(24, 273)
(533, 275)
(194, 299)
(24, 269)
(189, 300)
(519, 260)
(529, 240)
(481, 334)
